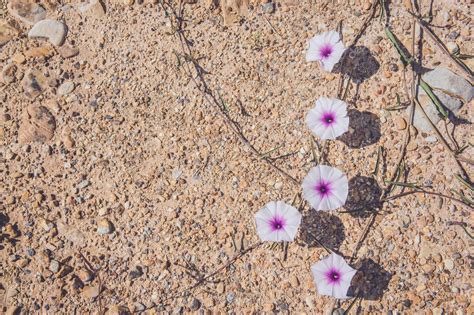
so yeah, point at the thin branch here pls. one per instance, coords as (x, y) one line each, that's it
(467, 73)
(201, 84)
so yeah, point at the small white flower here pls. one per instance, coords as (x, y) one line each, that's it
(325, 188)
(328, 119)
(325, 48)
(333, 276)
(277, 222)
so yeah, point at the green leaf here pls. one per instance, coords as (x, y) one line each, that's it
(439, 106)
(406, 60)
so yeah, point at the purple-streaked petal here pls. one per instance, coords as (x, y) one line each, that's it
(337, 52)
(325, 286)
(272, 213)
(335, 196)
(324, 109)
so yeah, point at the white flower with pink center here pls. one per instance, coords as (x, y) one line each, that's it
(325, 188)
(333, 276)
(328, 118)
(325, 48)
(277, 222)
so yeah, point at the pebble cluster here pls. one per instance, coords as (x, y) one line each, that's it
(120, 185)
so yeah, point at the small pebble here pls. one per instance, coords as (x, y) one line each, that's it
(104, 227)
(65, 88)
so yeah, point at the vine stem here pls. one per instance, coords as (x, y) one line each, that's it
(214, 273)
(201, 84)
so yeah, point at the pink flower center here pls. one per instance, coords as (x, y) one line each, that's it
(333, 276)
(277, 223)
(328, 119)
(325, 51)
(323, 189)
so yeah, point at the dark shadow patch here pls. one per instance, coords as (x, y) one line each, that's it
(364, 196)
(4, 219)
(358, 63)
(323, 227)
(364, 129)
(370, 282)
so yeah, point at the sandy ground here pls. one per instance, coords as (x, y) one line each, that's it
(136, 149)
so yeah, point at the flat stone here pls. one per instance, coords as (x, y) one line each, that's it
(54, 31)
(19, 58)
(37, 125)
(91, 292)
(419, 121)
(94, 8)
(104, 227)
(448, 82)
(27, 11)
(8, 31)
(67, 51)
(65, 88)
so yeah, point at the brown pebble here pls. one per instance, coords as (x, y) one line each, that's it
(401, 123)
(18, 58)
(91, 292)
(68, 51)
(9, 200)
(69, 142)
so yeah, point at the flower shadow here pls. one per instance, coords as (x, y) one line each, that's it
(321, 227)
(371, 280)
(358, 63)
(364, 196)
(364, 129)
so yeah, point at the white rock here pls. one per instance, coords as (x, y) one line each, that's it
(54, 31)
(445, 80)
(94, 8)
(451, 103)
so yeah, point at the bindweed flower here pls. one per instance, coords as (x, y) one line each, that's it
(333, 276)
(325, 188)
(325, 48)
(328, 119)
(277, 222)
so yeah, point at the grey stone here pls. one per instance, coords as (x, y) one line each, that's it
(230, 297)
(54, 266)
(83, 184)
(54, 31)
(65, 88)
(445, 80)
(419, 120)
(139, 307)
(268, 7)
(431, 139)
